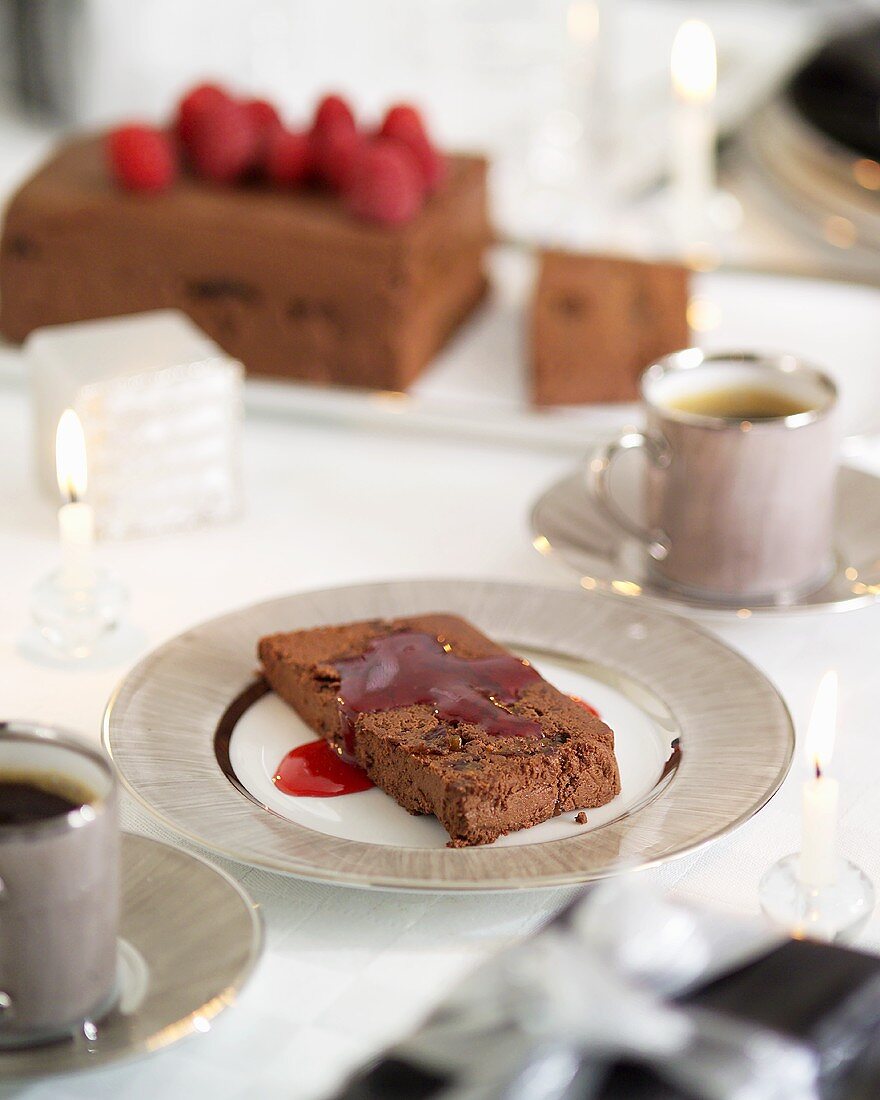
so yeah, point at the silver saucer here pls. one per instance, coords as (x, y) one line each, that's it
(188, 939)
(568, 525)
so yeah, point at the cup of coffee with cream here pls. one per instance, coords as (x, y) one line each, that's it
(59, 884)
(741, 469)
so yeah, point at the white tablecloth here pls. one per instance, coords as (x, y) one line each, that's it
(346, 970)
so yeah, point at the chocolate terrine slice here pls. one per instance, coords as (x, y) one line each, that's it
(598, 321)
(446, 722)
(288, 282)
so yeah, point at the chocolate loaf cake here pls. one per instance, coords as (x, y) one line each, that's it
(598, 321)
(446, 722)
(288, 282)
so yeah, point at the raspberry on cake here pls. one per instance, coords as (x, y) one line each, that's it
(403, 123)
(141, 158)
(333, 111)
(225, 142)
(313, 255)
(446, 722)
(335, 152)
(202, 98)
(288, 157)
(385, 185)
(263, 115)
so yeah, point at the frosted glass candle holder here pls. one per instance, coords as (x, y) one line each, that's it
(836, 911)
(161, 407)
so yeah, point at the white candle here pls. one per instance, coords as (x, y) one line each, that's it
(76, 520)
(693, 137)
(818, 862)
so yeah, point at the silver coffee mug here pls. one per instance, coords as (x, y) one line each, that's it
(736, 506)
(59, 885)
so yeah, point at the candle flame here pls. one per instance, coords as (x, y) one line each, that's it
(823, 720)
(583, 21)
(71, 467)
(693, 62)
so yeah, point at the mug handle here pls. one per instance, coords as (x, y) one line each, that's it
(657, 452)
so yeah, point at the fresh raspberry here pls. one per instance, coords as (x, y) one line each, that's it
(288, 157)
(406, 150)
(141, 158)
(266, 123)
(263, 116)
(335, 152)
(386, 186)
(405, 124)
(401, 120)
(225, 143)
(332, 112)
(202, 98)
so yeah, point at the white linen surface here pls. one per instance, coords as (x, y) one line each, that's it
(347, 970)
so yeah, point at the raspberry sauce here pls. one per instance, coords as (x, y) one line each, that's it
(409, 668)
(583, 703)
(314, 770)
(402, 670)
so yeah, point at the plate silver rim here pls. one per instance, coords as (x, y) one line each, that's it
(203, 983)
(178, 693)
(555, 536)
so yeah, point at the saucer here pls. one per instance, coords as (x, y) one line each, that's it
(568, 525)
(188, 939)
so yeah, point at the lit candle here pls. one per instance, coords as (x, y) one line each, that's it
(819, 850)
(692, 168)
(76, 519)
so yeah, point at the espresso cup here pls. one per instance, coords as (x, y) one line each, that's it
(741, 469)
(59, 884)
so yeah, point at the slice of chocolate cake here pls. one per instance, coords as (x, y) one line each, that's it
(598, 321)
(446, 722)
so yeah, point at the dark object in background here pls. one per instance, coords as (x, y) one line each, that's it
(827, 996)
(43, 38)
(838, 90)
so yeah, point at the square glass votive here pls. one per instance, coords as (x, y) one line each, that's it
(161, 406)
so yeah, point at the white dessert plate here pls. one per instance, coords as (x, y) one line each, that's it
(568, 525)
(189, 938)
(269, 729)
(703, 741)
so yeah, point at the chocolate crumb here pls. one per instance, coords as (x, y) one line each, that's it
(581, 818)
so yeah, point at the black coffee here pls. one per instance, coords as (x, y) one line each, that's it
(25, 799)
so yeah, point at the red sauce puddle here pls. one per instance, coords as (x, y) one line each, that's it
(314, 770)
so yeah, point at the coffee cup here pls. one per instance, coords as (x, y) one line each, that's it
(741, 468)
(59, 884)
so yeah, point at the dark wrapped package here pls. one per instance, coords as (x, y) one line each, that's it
(825, 997)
